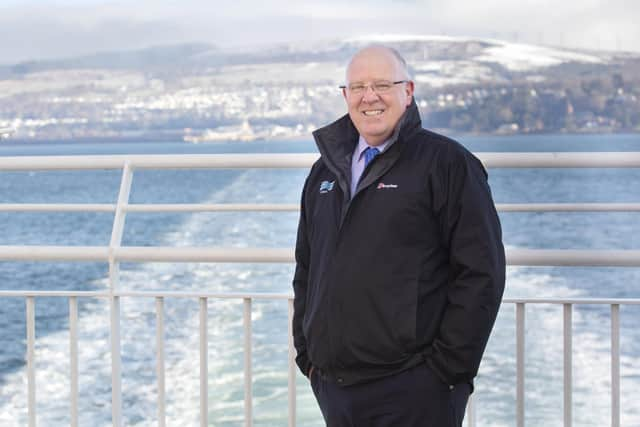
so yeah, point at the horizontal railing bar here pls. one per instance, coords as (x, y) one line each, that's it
(281, 207)
(568, 207)
(521, 257)
(144, 254)
(303, 160)
(229, 295)
(574, 301)
(561, 160)
(283, 296)
(59, 207)
(159, 161)
(204, 254)
(54, 253)
(573, 257)
(148, 294)
(68, 294)
(222, 207)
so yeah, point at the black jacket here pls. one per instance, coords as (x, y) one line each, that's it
(409, 269)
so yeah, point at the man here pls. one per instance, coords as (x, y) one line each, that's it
(399, 260)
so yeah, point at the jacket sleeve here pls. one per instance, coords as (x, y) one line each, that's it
(300, 279)
(472, 236)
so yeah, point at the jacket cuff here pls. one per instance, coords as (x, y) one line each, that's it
(434, 360)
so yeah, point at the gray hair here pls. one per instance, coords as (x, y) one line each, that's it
(404, 68)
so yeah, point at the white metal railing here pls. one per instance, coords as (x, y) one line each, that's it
(265, 207)
(247, 298)
(114, 254)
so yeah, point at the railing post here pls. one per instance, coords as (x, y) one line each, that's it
(73, 360)
(160, 360)
(31, 368)
(114, 302)
(291, 365)
(568, 364)
(204, 369)
(615, 365)
(520, 349)
(116, 362)
(248, 392)
(470, 413)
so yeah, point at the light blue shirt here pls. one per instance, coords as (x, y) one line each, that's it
(357, 161)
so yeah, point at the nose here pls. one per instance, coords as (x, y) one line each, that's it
(369, 95)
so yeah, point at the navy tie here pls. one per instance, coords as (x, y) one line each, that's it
(369, 154)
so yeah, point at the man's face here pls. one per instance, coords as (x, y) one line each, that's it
(376, 114)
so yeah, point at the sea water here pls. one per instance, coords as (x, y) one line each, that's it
(495, 385)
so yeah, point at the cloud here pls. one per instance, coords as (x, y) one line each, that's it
(45, 30)
(51, 32)
(39, 38)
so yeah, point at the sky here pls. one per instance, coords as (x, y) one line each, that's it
(46, 29)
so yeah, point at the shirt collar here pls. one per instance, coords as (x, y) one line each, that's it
(362, 145)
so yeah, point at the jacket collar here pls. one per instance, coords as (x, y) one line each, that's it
(337, 141)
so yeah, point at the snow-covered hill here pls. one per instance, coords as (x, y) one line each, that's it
(198, 90)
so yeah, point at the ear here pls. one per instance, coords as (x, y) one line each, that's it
(344, 93)
(409, 88)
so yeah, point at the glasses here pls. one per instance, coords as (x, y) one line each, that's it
(380, 86)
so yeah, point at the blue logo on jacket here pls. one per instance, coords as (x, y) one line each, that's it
(326, 186)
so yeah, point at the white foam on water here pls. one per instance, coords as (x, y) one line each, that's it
(138, 337)
(496, 383)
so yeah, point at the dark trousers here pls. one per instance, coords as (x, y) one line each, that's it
(413, 398)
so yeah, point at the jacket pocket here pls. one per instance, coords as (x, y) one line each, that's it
(405, 316)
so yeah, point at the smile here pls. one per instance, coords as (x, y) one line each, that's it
(373, 112)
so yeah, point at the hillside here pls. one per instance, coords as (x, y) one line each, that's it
(200, 92)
